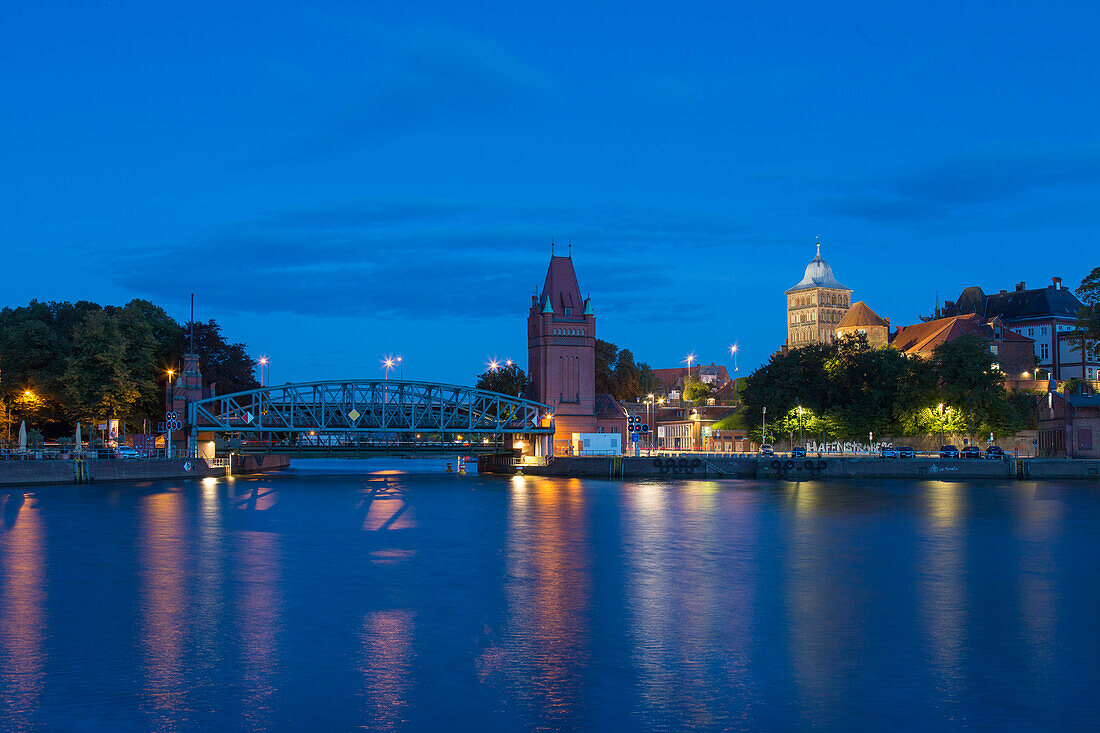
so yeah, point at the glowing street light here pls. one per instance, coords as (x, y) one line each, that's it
(388, 363)
(733, 353)
(401, 363)
(263, 366)
(494, 365)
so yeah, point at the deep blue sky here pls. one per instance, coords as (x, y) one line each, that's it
(338, 181)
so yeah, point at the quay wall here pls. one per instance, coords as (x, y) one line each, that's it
(28, 473)
(835, 467)
(1058, 468)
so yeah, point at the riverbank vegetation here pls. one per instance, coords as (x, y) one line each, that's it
(848, 390)
(63, 362)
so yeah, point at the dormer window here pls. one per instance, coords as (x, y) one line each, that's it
(568, 310)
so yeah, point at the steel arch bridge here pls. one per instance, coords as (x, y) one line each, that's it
(367, 417)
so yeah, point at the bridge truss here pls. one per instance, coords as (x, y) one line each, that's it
(368, 416)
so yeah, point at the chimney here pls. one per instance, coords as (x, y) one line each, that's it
(1004, 292)
(1020, 286)
(1057, 283)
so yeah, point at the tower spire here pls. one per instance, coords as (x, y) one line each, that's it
(818, 245)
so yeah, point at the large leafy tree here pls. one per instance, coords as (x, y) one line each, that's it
(618, 375)
(509, 380)
(1088, 318)
(82, 360)
(850, 390)
(98, 382)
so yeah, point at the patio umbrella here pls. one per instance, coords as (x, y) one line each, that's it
(23, 435)
(78, 446)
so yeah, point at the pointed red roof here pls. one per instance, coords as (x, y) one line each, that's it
(561, 287)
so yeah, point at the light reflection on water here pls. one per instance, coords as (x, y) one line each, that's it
(22, 610)
(396, 601)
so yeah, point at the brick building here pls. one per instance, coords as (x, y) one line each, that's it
(561, 353)
(860, 319)
(1013, 351)
(1046, 315)
(815, 305)
(1068, 424)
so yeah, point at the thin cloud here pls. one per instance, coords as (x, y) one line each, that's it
(981, 188)
(421, 260)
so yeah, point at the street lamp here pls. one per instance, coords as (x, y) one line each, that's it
(649, 436)
(263, 366)
(801, 441)
(401, 363)
(689, 358)
(733, 352)
(764, 426)
(388, 364)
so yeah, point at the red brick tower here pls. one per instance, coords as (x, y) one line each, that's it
(561, 358)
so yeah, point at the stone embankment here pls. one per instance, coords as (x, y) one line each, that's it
(28, 473)
(801, 469)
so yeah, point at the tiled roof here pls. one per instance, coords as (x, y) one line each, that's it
(1017, 305)
(860, 315)
(607, 407)
(561, 287)
(923, 338)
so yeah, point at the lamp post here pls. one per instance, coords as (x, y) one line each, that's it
(388, 364)
(764, 426)
(649, 435)
(263, 366)
(801, 439)
(690, 358)
(401, 363)
(970, 420)
(733, 352)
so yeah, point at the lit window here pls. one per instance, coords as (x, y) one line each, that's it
(1044, 351)
(993, 349)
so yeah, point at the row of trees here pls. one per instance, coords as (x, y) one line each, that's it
(63, 362)
(847, 390)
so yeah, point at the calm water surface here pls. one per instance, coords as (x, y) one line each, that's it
(332, 598)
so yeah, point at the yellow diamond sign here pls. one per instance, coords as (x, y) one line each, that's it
(354, 415)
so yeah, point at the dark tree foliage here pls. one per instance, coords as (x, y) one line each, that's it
(848, 389)
(1088, 318)
(510, 380)
(618, 375)
(60, 362)
(226, 365)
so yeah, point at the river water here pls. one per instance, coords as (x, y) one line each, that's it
(391, 596)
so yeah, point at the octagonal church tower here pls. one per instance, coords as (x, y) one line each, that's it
(815, 305)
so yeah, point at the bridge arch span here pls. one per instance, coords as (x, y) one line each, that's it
(368, 415)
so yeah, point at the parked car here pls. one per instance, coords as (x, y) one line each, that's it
(798, 452)
(125, 451)
(994, 451)
(889, 452)
(906, 451)
(971, 451)
(949, 451)
(767, 450)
